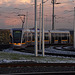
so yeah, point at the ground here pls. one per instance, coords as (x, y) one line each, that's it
(10, 56)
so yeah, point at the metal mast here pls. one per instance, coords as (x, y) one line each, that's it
(43, 46)
(42, 30)
(53, 17)
(26, 24)
(36, 28)
(74, 27)
(26, 20)
(40, 27)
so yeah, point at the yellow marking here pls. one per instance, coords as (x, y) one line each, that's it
(23, 43)
(64, 40)
(46, 40)
(33, 41)
(56, 40)
(28, 41)
(14, 43)
(10, 43)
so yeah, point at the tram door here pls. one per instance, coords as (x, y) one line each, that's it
(56, 38)
(52, 38)
(59, 38)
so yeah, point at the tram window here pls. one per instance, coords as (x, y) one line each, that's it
(29, 36)
(56, 36)
(46, 36)
(23, 41)
(52, 34)
(33, 36)
(17, 36)
(64, 36)
(52, 39)
(10, 39)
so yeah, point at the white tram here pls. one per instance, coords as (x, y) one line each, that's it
(19, 38)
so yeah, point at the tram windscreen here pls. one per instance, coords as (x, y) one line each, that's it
(17, 36)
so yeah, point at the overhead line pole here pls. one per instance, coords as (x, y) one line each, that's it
(53, 17)
(42, 30)
(43, 45)
(40, 27)
(74, 27)
(36, 28)
(23, 22)
(26, 24)
(26, 20)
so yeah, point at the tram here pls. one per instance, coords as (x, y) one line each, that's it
(19, 38)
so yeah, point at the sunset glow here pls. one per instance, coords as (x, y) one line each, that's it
(15, 1)
(9, 10)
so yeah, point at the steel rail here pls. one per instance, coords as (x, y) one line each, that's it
(45, 73)
(20, 64)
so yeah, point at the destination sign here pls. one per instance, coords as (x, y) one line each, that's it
(17, 31)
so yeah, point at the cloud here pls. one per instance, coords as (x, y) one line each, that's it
(15, 1)
(11, 8)
(12, 21)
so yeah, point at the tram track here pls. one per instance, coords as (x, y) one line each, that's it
(55, 54)
(31, 50)
(37, 68)
(47, 73)
(46, 53)
(25, 64)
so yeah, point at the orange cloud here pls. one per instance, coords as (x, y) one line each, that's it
(14, 1)
(12, 21)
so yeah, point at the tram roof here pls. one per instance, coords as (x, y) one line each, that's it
(52, 31)
(38, 30)
(17, 28)
(59, 31)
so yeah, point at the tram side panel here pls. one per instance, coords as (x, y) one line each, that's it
(60, 38)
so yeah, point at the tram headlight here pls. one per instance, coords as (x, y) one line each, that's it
(17, 44)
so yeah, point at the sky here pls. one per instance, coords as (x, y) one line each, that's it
(10, 9)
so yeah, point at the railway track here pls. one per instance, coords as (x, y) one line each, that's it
(31, 50)
(23, 64)
(37, 68)
(46, 73)
(55, 54)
